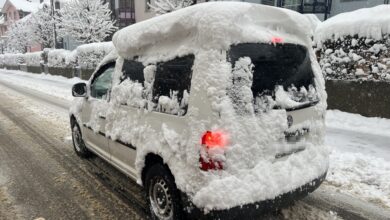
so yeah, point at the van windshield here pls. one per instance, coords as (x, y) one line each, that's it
(279, 75)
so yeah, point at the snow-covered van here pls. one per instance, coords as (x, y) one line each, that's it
(214, 109)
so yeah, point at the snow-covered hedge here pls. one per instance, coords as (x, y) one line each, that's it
(14, 59)
(356, 45)
(90, 55)
(87, 56)
(71, 58)
(33, 59)
(356, 58)
(57, 58)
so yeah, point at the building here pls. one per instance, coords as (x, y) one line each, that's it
(14, 10)
(322, 8)
(123, 11)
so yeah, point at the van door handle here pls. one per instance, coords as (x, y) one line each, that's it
(102, 117)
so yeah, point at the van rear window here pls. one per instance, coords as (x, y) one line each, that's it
(275, 66)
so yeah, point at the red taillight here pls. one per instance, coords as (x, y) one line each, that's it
(276, 40)
(212, 140)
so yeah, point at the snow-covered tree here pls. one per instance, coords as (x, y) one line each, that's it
(18, 36)
(42, 27)
(87, 21)
(166, 6)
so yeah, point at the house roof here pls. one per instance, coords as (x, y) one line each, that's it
(22, 5)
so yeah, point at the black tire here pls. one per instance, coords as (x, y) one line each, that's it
(78, 142)
(160, 183)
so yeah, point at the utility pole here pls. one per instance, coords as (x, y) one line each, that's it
(55, 45)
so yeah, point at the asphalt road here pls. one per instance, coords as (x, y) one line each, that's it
(41, 177)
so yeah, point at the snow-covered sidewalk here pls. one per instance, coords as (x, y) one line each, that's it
(57, 86)
(360, 158)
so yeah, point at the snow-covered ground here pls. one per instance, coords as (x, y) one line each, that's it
(57, 86)
(360, 158)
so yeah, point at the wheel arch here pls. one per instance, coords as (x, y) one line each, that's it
(150, 160)
(73, 120)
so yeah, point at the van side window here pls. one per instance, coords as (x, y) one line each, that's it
(172, 85)
(133, 70)
(101, 85)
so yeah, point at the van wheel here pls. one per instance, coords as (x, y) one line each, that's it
(162, 195)
(78, 143)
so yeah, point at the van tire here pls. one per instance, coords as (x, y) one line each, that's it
(159, 183)
(78, 142)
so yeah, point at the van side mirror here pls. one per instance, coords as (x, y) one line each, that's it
(79, 90)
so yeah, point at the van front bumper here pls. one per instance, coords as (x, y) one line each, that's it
(254, 210)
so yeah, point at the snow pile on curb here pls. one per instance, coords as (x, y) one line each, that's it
(90, 55)
(355, 45)
(363, 176)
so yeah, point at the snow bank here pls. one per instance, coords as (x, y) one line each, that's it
(57, 58)
(90, 55)
(367, 22)
(361, 175)
(33, 59)
(251, 173)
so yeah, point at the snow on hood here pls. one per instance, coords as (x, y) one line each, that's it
(215, 24)
(367, 22)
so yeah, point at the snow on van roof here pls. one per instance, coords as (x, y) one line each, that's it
(367, 22)
(215, 24)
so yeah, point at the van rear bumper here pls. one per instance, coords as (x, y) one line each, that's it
(254, 210)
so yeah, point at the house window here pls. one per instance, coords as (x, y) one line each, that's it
(125, 14)
(15, 15)
(308, 6)
(57, 5)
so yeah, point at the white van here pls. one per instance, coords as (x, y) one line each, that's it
(215, 109)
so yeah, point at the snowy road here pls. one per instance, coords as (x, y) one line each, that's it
(34, 109)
